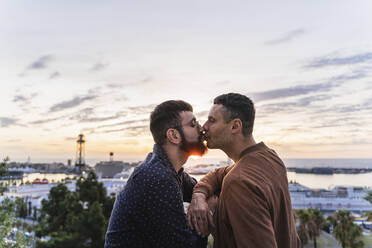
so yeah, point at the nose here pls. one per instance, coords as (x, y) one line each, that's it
(205, 127)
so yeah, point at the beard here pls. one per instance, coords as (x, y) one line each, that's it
(197, 148)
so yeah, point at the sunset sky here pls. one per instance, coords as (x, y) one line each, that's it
(100, 67)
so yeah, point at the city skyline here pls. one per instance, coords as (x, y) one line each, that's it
(99, 68)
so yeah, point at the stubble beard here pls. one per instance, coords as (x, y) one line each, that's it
(197, 148)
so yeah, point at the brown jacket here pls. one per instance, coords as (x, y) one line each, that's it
(254, 208)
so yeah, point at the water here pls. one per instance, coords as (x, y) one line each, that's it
(309, 180)
(328, 181)
(334, 163)
(30, 177)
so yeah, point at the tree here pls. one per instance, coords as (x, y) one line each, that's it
(345, 231)
(8, 237)
(95, 219)
(34, 213)
(303, 218)
(75, 219)
(311, 222)
(368, 214)
(3, 171)
(369, 197)
(7, 220)
(57, 217)
(21, 207)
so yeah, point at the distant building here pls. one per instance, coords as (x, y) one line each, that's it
(108, 169)
(348, 198)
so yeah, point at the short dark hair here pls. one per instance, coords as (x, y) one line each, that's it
(238, 106)
(167, 115)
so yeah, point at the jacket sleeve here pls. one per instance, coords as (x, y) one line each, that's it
(249, 216)
(211, 183)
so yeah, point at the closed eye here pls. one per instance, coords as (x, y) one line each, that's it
(211, 119)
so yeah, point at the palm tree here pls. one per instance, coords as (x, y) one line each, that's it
(369, 197)
(311, 222)
(345, 231)
(303, 218)
(368, 215)
(353, 240)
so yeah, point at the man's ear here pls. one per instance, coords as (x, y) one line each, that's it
(173, 136)
(236, 126)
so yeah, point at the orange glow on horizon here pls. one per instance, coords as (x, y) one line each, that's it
(194, 157)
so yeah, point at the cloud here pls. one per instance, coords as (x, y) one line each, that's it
(132, 131)
(19, 98)
(352, 108)
(6, 122)
(24, 99)
(306, 101)
(286, 37)
(146, 80)
(299, 105)
(114, 86)
(141, 125)
(54, 75)
(88, 115)
(93, 119)
(124, 123)
(146, 109)
(76, 101)
(358, 74)
(337, 61)
(99, 66)
(291, 91)
(121, 98)
(45, 121)
(41, 62)
(347, 108)
(223, 83)
(333, 122)
(143, 81)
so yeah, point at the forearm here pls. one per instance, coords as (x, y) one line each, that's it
(211, 183)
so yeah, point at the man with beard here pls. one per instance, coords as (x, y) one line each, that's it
(254, 206)
(149, 211)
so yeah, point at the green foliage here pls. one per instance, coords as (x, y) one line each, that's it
(89, 189)
(8, 210)
(345, 231)
(7, 221)
(75, 219)
(21, 207)
(368, 215)
(3, 168)
(311, 222)
(3, 171)
(34, 213)
(369, 197)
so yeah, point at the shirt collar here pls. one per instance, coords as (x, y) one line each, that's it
(159, 151)
(253, 148)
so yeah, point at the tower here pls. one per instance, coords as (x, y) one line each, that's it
(111, 156)
(80, 151)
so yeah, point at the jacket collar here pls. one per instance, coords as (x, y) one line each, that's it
(256, 147)
(160, 153)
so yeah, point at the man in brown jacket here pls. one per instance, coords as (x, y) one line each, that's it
(254, 207)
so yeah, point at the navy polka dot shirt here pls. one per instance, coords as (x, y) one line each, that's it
(149, 211)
